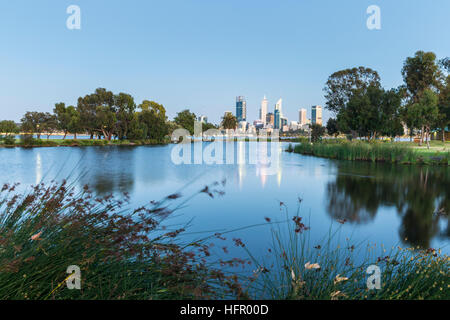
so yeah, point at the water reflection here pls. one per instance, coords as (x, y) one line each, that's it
(420, 195)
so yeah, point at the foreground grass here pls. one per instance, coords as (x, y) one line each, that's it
(132, 254)
(403, 153)
(302, 270)
(122, 254)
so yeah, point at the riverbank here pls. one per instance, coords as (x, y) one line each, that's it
(35, 143)
(392, 152)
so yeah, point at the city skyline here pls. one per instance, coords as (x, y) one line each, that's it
(198, 66)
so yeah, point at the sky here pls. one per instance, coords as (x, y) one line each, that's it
(201, 54)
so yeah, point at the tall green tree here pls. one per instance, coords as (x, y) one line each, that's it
(420, 73)
(33, 122)
(426, 112)
(341, 85)
(101, 100)
(186, 119)
(8, 127)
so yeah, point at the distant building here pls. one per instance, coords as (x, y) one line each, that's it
(279, 106)
(277, 119)
(263, 110)
(241, 109)
(316, 115)
(258, 124)
(302, 117)
(270, 119)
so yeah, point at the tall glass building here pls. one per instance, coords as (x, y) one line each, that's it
(241, 109)
(277, 119)
(316, 115)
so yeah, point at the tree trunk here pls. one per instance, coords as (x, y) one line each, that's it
(428, 138)
(75, 136)
(65, 134)
(443, 134)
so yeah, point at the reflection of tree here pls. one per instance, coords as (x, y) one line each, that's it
(113, 169)
(418, 193)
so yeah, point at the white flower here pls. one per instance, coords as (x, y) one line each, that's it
(309, 266)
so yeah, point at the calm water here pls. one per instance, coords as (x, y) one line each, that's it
(382, 204)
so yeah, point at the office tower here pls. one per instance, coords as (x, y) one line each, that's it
(316, 115)
(279, 106)
(270, 119)
(241, 109)
(302, 117)
(263, 110)
(277, 119)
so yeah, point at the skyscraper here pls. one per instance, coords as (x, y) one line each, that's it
(316, 115)
(241, 109)
(277, 119)
(279, 106)
(263, 110)
(302, 117)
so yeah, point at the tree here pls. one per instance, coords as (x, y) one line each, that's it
(317, 132)
(341, 85)
(391, 113)
(229, 121)
(101, 100)
(124, 107)
(8, 127)
(426, 112)
(419, 73)
(152, 105)
(444, 97)
(68, 119)
(186, 120)
(32, 122)
(49, 124)
(444, 107)
(332, 127)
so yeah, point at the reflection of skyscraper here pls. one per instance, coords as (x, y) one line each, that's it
(241, 109)
(316, 115)
(302, 117)
(263, 110)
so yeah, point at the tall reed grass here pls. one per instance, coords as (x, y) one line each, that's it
(374, 152)
(330, 269)
(122, 253)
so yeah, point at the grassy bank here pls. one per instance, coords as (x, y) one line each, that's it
(397, 152)
(33, 143)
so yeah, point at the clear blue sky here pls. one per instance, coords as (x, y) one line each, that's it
(200, 54)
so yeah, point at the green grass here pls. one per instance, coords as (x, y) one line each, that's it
(77, 143)
(403, 153)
